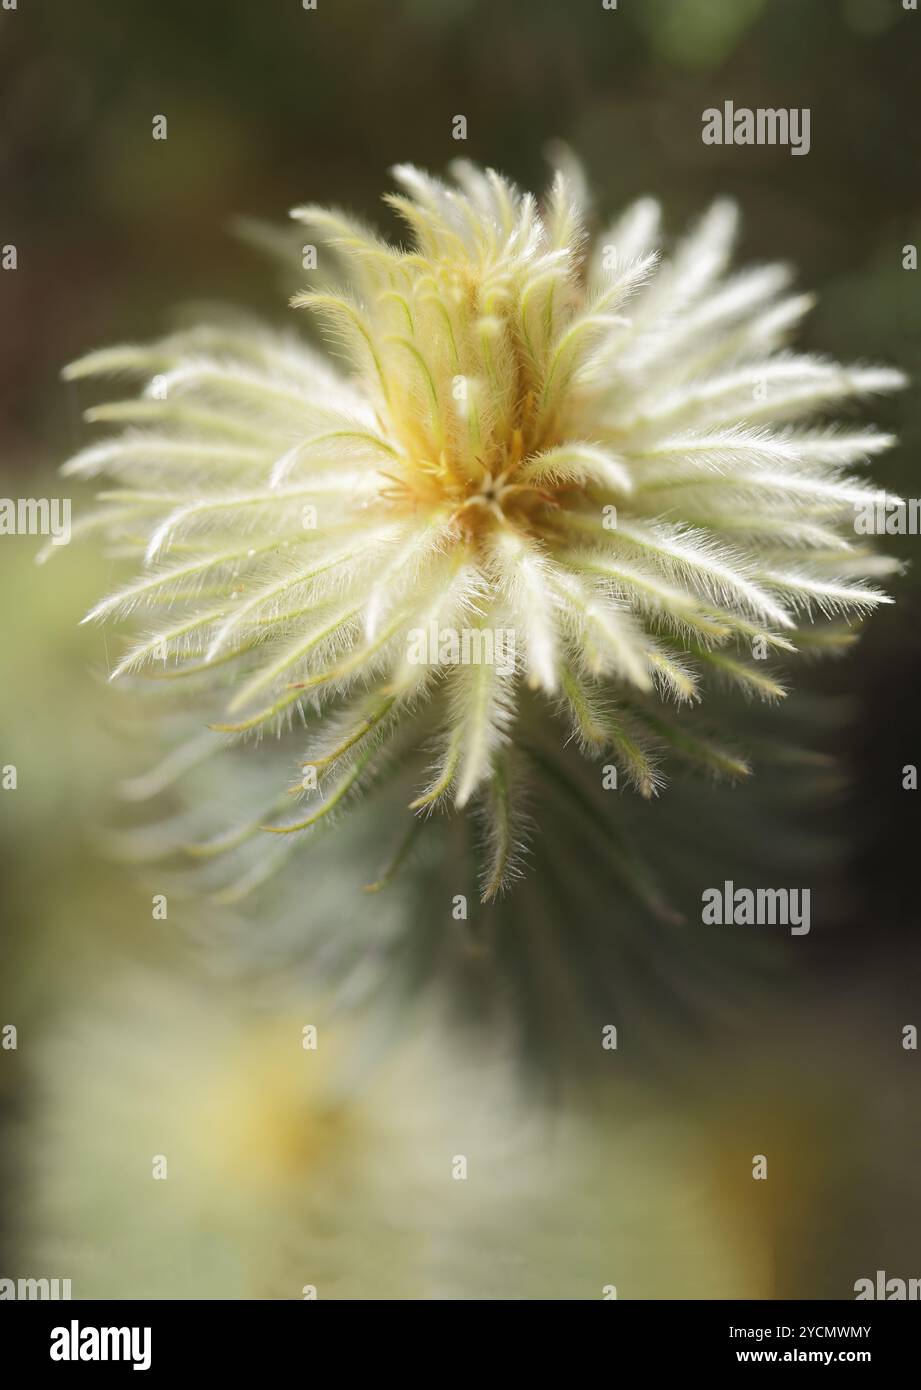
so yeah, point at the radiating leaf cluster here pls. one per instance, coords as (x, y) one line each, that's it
(610, 452)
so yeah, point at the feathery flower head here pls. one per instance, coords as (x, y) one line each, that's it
(573, 443)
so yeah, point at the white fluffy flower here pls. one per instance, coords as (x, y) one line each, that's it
(608, 456)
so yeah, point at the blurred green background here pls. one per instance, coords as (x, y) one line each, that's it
(270, 105)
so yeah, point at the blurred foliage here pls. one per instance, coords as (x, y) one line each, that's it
(284, 1172)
